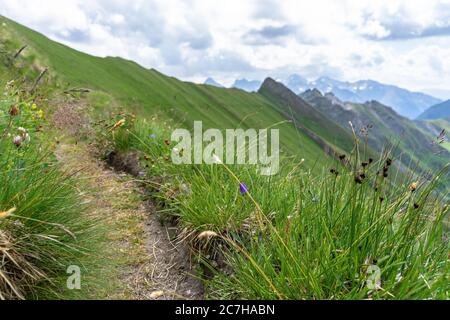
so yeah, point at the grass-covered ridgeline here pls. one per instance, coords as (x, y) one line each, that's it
(147, 92)
(298, 234)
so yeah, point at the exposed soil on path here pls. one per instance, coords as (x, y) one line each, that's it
(151, 265)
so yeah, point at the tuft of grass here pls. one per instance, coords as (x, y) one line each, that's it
(45, 230)
(148, 92)
(355, 230)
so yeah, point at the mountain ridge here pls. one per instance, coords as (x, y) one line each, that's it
(380, 124)
(437, 111)
(147, 92)
(304, 116)
(405, 102)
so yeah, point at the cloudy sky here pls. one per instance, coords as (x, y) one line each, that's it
(406, 43)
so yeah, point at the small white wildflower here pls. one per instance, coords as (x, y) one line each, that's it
(373, 281)
(216, 159)
(184, 188)
(24, 134)
(17, 140)
(398, 277)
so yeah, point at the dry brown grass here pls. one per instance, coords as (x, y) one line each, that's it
(16, 272)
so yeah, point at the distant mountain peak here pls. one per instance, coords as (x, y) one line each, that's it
(296, 83)
(407, 103)
(210, 81)
(268, 81)
(274, 86)
(247, 85)
(312, 93)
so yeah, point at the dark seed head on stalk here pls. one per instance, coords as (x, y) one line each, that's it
(416, 206)
(362, 176)
(389, 161)
(370, 160)
(364, 164)
(358, 180)
(342, 157)
(14, 111)
(381, 199)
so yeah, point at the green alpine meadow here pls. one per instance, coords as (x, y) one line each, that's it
(124, 176)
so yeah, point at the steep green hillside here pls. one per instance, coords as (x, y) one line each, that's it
(435, 127)
(304, 116)
(438, 111)
(148, 92)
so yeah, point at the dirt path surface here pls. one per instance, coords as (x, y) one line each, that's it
(151, 265)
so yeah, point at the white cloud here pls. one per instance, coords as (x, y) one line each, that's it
(384, 40)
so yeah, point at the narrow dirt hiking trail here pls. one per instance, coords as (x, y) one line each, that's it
(150, 265)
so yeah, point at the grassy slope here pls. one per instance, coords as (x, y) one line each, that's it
(148, 92)
(304, 115)
(434, 127)
(411, 142)
(329, 257)
(306, 235)
(441, 110)
(412, 145)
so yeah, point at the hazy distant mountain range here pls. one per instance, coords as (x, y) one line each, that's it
(438, 111)
(212, 82)
(247, 85)
(406, 103)
(382, 125)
